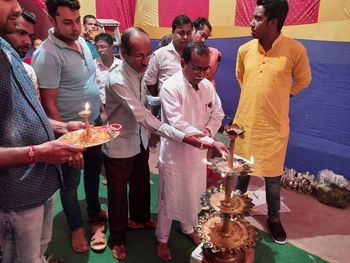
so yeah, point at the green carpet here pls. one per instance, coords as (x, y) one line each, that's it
(141, 243)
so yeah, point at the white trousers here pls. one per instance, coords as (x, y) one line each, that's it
(164, 224)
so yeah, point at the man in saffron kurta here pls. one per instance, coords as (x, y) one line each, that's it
(270, 69)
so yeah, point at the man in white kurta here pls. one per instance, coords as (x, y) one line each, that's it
(126, 158)
(190, 104)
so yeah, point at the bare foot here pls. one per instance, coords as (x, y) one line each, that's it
(194, 238)
(119, 252)
(79, 241)
(163, 251)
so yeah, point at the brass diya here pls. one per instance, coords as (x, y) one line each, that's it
(227, 236)
(225, 242)
(236, 205)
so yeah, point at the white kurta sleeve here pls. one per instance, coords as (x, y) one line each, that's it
(151, 75)
(171, 108)
(144, 116)
(216, 116)
(152, 100)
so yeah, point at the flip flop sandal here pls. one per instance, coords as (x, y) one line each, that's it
(98, 240)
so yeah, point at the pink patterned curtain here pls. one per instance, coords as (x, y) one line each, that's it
(120, 10)
(168, 10)
(300, 12)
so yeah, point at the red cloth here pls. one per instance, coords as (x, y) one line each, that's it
(300, 12)
(120, 10)
(28, 60)
(168, 10)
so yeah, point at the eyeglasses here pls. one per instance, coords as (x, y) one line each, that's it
(197, 69)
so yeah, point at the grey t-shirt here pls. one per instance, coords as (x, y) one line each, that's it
(59, 66)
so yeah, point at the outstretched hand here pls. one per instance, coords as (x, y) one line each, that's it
(220, 147)
(75, 125)
(61, 128)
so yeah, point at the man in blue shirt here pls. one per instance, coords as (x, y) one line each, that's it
(90, 30)
(29, 170)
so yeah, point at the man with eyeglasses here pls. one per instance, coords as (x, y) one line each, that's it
(126, 158)
(189, 103)
(105, 63)
(166, 61)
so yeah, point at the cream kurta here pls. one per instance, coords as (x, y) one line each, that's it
(164, 63)
(266, 81)
(182, 170)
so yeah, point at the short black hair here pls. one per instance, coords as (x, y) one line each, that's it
(52, 5)
(87, 17)
(124, 41)
(200, 22)
(104, 37)
(275, 9)
(29, 16)
(181, 20)
(199, 48)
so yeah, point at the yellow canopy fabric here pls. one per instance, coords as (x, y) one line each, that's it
(333, 21)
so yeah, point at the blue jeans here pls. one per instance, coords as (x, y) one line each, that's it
(25, 235)
(71, 180)
(273, 193)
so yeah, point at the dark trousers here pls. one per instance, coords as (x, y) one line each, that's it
(273, 193)
(71, 180)
(120, 172)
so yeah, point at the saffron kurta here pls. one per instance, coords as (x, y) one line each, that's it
(182, 173)
(267, 79)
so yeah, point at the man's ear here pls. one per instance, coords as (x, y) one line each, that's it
(52, 20)
(273, 23)
(183, 63)
(123, 53)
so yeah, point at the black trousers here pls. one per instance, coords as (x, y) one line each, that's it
(120, 172)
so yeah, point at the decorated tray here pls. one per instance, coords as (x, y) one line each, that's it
(238, 204)
(241, 234)
(97, 135)
(240, 166)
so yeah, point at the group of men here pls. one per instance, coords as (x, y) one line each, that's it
(270, 69)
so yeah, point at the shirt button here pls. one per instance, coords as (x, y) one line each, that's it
(264, 62)
(260, 71)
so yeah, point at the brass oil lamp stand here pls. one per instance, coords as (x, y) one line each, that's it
(226, 236)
